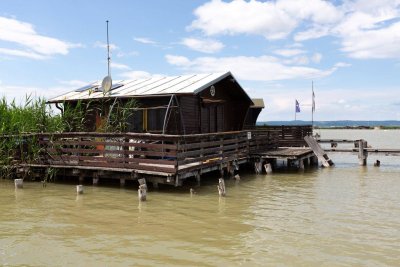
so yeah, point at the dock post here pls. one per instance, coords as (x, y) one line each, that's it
(301, 164)
(79, 189)
(198, 178)
(258, 166)
(362, 153)
(122, 182)
(314, 161)
(19, 183)
(221, 187)
(268, 168)
(142, 191)
(95, 178)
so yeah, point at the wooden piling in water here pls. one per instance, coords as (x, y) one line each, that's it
(268, 168)
(19, 183)
(362, 153)
(221, 187)
(142, 191)
(79, 189)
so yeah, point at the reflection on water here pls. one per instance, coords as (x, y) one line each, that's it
(346, 216)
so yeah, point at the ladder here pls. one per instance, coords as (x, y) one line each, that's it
(318, 151)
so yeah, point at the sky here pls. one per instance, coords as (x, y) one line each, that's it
(349, 50)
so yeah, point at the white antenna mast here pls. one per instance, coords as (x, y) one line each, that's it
(106, 84)
(108, 51)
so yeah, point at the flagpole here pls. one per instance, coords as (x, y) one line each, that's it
(312, 105)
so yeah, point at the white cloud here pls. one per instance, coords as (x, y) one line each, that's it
(21, 53)
(99, 44)
(138, 74)
(127, 54)
(272, 19)
(288, 52)
(364, 29)
(32, 45)
(177, 60)
(119, 66)
(317, 57)
(315, 32)
(263, 68)
(331, 103)
(203, 45)
(379, 43)
(19, 92)
(144, 40)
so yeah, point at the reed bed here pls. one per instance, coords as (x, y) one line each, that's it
(18, 122)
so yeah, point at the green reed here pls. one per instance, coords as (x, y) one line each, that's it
(20, 122)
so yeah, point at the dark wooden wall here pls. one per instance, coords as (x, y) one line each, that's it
(193, 114)
(251, 118)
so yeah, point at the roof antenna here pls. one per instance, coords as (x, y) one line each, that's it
(106, 84)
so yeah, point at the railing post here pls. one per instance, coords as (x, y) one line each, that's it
(125, 149)
(178, 151)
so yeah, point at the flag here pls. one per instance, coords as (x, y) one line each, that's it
(313, 101)
(297, 106)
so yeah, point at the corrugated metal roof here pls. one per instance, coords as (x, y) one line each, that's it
(184, 84)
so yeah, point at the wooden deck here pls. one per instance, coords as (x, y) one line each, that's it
(294, 153)
(162, 158)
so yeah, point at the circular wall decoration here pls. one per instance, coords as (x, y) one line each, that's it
(212, 90)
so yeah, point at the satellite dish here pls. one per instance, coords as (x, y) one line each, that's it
(106, 84)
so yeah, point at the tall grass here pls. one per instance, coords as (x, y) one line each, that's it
(35, 116)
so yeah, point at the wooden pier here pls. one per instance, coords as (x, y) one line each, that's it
(361, 148)
(161, 159)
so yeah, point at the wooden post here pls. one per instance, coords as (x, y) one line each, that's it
(79, 189)
(221, 187)
(122, 182)
(314, 161)
(142, 191)
(221, 170)
(95, 178)
(19, 183)
(362, 153)
(258, 166)
(268, 168)
(198, 178)
(301, 164)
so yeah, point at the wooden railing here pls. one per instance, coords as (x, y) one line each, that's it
(146, 152)
(167, 154)
(289, 136)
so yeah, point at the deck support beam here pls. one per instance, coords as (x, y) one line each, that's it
(301, 164)
(95, 178)
(198, 178)
(81, 177)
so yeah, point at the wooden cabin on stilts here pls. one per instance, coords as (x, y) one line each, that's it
(163, 129)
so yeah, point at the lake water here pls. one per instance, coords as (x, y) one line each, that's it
(344, 216)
